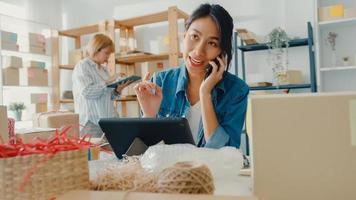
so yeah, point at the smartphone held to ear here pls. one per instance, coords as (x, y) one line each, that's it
(209, 69)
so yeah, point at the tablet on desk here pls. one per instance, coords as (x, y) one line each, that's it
(132, 79)
(122, 132)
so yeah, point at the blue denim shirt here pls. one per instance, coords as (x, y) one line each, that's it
(229, 98)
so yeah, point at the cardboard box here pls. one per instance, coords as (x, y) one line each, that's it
(28, 135)
(39, 98)
(247, 37)
(36, 39)
(4, 134)
(11, 61)
(8, 37)
(41, 107)
(10, 76)
(333, 12)
(290, 77)
(58, 120)
(31, 63)
(122, 195)
(34, 49)
(302, 146)
(350, 13)
(9, 46)
(37, 76)
(75, 56)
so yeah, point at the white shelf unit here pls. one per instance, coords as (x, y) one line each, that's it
(22, 92)
(341, 76)
(337, 68)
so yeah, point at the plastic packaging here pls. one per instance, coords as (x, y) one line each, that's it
(224, 163)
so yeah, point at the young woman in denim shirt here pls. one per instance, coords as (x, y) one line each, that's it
(214, 104)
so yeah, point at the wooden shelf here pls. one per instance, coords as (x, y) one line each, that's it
(66, 101)
(77, 32)
(67, 67)
(130, 59)
(127, 98)
(149, 19)
(27, 55)
(334, 23)
(338, 68)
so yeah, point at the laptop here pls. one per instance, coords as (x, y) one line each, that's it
(132, 136)
(303, 146)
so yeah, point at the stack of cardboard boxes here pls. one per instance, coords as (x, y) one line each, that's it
(9, 41)
(40, 100)
(11, 65)
(36, 44)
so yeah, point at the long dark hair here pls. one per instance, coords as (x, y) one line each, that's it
(224, 23)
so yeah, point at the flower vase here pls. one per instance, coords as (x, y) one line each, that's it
(18, 115)
(333, 58)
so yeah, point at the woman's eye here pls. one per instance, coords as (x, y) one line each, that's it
(194, 37)
(213, 44)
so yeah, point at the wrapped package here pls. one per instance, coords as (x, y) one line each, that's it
(58, 119)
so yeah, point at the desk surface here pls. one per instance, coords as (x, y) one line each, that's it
(238, 186)
(94, 195)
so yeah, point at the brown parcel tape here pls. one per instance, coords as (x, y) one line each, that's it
(11, 76)
(4, 133)
(82, 194)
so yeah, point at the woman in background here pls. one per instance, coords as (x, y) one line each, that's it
(92, 98)
(213, 100)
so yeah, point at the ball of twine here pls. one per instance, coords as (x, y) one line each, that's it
(186, 177)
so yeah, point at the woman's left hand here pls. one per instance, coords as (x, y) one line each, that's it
(215, 76)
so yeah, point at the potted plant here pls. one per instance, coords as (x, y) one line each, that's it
(17, 108)
(331, 41)
(278, 43)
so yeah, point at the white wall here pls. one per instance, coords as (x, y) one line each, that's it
(259, 16)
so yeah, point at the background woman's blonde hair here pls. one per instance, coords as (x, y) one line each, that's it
(99, 42)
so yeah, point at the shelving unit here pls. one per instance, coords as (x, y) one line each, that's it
(75, 34)
(293, 43)
(307, 42)
(123, 60)
(33, 44)
(127, 36)
(337, 76)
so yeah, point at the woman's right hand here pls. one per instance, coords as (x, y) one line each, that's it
(149, 96)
